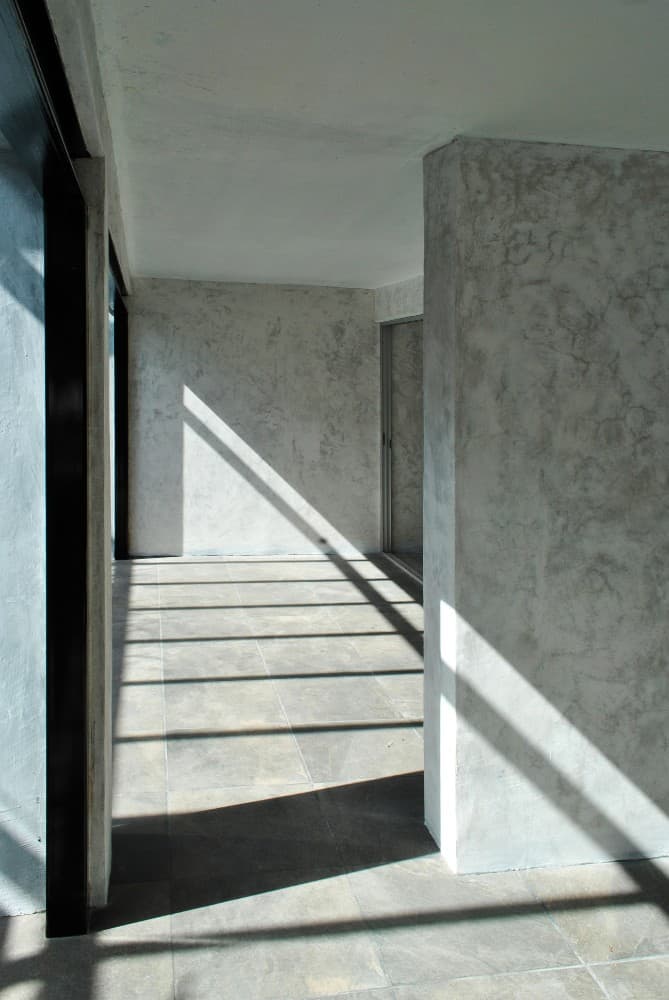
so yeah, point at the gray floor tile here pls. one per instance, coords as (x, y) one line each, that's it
(242, 760)
(341, 755)
(130, 597)
(405, 692)
(647, 979)
(139, 708)
(303, 656)
(376, 568)
(563, 984)
(603, 910)
(274, 570)
(302, 940)
(378, 821)
(383, 618)
(390, 652)
(132, 960)
(135, 912)
(288, 621)
(137, 627)
(22, 935)
(363, 591)
(333, 699)
(133, 973)
(224, 831)
(429, 924)
(235, 705)
(215, 659)
(143, 661)
(135, 571)
(272, 594)
(347, 592)
(377, 994)
(60, 969)
(199, 594)
(203, 623)
(140, 850)
(132, 936)
(189, 802)
(139, 770)
(180, 571)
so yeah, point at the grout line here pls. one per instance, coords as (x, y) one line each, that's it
(553, 920)
(275, 688)
(373, 938)
(168, 822)
(629, 960)
(600, 985)
(296, 743)
(488, 976)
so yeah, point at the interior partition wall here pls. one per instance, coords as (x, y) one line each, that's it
(402, 441)
(43, 832)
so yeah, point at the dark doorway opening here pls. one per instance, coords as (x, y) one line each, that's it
(402, 442)
(118, 394)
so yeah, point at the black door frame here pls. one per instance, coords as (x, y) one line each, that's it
(36, 113)
(121, 539)
(66, 564)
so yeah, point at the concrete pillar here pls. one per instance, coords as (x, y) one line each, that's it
(91, 174)
(546, 514)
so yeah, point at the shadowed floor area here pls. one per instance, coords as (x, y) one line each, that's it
(268, 817)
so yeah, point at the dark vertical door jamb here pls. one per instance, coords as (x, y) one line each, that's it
(66, 531)
(121, 542)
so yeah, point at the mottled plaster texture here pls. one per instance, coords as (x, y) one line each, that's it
(254, 419)
(547, 458)
(402, 300)
(406, 467)
(92, 178)
(22, 544)
(79, 48)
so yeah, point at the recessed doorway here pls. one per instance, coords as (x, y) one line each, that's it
(402, 442)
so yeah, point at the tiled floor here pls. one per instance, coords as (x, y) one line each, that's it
(268, 836)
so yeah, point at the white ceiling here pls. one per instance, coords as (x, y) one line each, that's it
(281, 140)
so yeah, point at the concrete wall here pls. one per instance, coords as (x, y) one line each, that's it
(399, 301)
(74, 27)
(547, 452)
(254, 419)
(22, 544)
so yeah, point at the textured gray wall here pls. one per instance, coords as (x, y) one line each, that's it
(254, 419)
(80, 51)
(91, 173)
(22, 544)
(399, 301)
(547, 302)
(406, 468)
(439, 352)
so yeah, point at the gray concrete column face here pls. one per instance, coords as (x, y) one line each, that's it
(92, 177)
(439, 494)
(546, 514)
